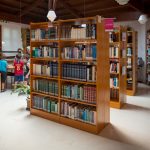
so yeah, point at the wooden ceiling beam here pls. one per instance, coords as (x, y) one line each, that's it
(137, 5)
(9, 17)
(70, 9)
(29, 7)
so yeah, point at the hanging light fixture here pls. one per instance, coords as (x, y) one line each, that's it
(143, 19)
(51, 13)
(122, 2)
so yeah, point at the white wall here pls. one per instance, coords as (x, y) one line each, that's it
(141, 29)
(11, 35)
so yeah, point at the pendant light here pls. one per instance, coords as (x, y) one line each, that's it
(143, 19)
(51, 13)
(122, 2)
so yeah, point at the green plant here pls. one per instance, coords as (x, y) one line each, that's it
(21, 89)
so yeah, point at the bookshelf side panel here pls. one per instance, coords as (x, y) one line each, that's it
(103, 92)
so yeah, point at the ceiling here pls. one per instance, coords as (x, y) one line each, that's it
(27, 11)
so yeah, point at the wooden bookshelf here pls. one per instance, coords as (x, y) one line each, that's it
(148, 57)
(117, 52)
(131, 62)
(94, 116)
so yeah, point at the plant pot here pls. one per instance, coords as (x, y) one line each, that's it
(28, 103)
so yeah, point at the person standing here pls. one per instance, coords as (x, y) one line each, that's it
(18, 64)
(3, 71)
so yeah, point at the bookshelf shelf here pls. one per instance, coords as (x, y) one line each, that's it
(44, 41)
(90, 42)
(148, 57)
(44, 77)
(78, 101)
(43, 94)
(78, 81)
(44, 114)
(117, 58)
(131, 62)
(75, 60)
(44, 59)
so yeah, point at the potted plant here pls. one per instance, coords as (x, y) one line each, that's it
(22, 89)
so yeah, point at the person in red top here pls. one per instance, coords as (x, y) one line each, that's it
(18, 64)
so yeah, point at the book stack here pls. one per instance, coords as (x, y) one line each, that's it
(44, 103)
(86, 31)
(80, 52)
(113, 51)
(114, 67)
(45, 86)
(42, 34)
(79, 92)
(45, 51)
(114, 94)
(113, 37)
(114, 82)
(129, 62)
(50, 69)
(129, 51)
(129, 39)
(78, 112)
(79, 71)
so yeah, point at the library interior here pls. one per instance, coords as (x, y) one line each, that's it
(75, 74)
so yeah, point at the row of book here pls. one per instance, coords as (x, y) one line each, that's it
(129, 37)
(45, 51)
(45, 86)
(113, 51)
(114, 83)
(129, 62)
(129, 51)
(148, 51)
(79, 92)
(114, 67)
(44, 103)
(113, 37)
(84, 31)
(50, 69)
(148, 67)
(78, 112)
(79, 71)
(80, 52)
(42, 34)
(114, 94)
(148, 78)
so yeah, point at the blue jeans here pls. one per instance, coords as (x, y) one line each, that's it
(18, 78)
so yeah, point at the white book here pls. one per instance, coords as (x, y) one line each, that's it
(34, 69)
(93, 73)
(117, 52)
(38, 69)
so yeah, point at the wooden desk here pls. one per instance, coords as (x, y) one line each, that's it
(10, 73)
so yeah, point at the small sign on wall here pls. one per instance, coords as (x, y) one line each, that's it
(109, 24)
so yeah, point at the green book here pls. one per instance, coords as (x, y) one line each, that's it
(53, 106)
(49, 106)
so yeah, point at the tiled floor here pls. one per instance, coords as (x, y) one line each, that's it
(129, 128)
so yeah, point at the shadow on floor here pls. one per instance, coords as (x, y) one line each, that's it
(135, 107)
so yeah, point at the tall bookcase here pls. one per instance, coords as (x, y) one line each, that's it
(117, 54)
(131, 62)
(148, 57)
(70, 73)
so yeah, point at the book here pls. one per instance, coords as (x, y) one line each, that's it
(45, 51)
(79, 71)
(82, 31)
(43, 34)
(78, 112)
(45, 103)
(79, 92)
(50, 69)
(45, 86)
